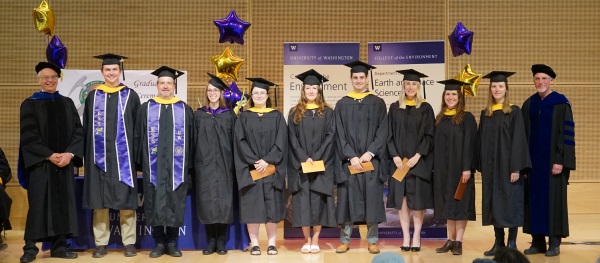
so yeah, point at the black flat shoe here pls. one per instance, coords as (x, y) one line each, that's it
(405, 248)
(158, 250)
(415, 249)
(553, 252)
(210, 249)
(533, 250)
(255, 249)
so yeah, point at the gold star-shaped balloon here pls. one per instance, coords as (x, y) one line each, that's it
(227, 65)
(43, 17)
(468, 76)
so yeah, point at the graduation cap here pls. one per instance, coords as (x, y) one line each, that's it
(43, 65)
(537, 68)
(217, 82)
(113, 59)
(498, 76)
(311, 77)
(452, 84)
(263, 84)
(165, 71)
(413, 75)
(359, 66)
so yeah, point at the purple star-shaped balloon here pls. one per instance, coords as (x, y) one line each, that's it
(56, 52)
(232, 95)
(461, 40)
(232, 28)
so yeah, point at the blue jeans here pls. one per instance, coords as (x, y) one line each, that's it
(372, 233)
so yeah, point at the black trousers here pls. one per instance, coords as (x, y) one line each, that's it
(165, 234)
(59, 243)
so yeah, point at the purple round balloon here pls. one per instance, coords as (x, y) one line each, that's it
(461, 40)
(56, 52)
(231, 28)
(232, 95)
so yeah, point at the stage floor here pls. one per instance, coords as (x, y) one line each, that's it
(584, 228)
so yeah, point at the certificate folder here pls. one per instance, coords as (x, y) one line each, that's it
(258, 175)
(316, 166)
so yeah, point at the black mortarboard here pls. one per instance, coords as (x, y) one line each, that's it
(165, 71)
(263, 84)
(43, 65)
(498, 76)
(411, 74)
(537, 68)
(359, 66)
(217, 82)
(113, 59)
(311, 77)
(452, 84)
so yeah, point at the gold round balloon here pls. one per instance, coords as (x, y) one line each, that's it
(227, 65)
(468, 76)
(43, 17)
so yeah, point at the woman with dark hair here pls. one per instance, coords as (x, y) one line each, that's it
(260, 142)
(454, 163)
(213, 166)
(411, 123)
(503, 154)
(311, 132)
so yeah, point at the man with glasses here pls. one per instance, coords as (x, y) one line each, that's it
(551, 134)
(51, 144)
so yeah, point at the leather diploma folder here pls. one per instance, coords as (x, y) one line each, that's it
(368, 166)
(316, 166)
(399, 174)
(258, 175)
(460, 190)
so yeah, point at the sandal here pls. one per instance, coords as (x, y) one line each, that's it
(314, 249)
(306, 249)
(272, 250)
(254, 251)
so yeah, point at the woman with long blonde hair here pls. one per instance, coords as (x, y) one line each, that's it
(411, 124)
(311, 132)
(454, 164)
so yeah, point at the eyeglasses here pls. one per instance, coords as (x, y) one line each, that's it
(259, 93)
(48, 77)
(542, 79)
(212, 91)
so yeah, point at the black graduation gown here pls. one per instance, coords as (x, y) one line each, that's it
(214, 172)
(455, 151)
(261, 137)
(312, 193)
(411, 131)
(5, 200)
(50, 126)
(164, 206)
(361, 126)
(103, 189)
(550, 132)
(502, 151)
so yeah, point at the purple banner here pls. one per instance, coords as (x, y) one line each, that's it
(406, 53)
(320, 53)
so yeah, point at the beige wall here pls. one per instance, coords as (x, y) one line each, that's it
(509, 35)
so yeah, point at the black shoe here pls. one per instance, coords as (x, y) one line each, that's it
(27, 258)
(457, 248)
(99, 251)
(415, 249)
(3, 246)
(533, 250)
(553, 252)
(63, 253)
(210, 248)
(405, 248)
(498, 244)
(130, 251)
(512, 244)
(173, 251)
(158, 250)
(221, 250)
